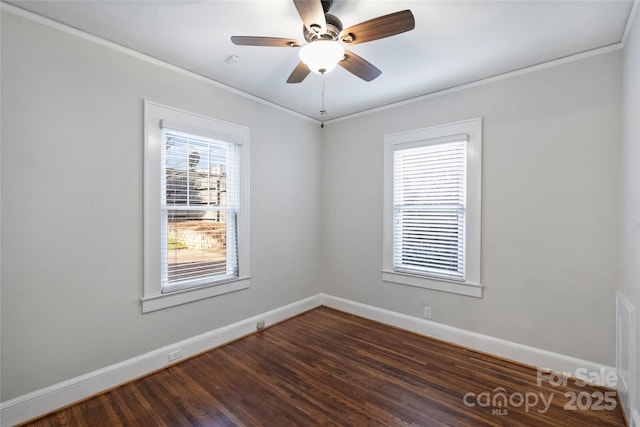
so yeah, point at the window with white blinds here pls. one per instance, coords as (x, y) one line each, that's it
(429, 208)
(196, 207)
(432, 207)
(199, 210)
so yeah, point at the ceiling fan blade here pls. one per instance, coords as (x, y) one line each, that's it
(312, 15)
(379, 28)
(359, 67)
(264, 41)
(299, 73)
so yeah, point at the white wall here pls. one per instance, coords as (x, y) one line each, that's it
(550, 197)
(72, 206)
(630, 206)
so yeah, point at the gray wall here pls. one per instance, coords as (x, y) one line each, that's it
(72, 206)
(630, 207)
(550, 196)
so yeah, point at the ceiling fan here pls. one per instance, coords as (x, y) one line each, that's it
(324, 35)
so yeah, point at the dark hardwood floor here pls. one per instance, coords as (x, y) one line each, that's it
(326, 367)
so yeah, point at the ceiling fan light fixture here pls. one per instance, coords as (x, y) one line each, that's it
(321, 56)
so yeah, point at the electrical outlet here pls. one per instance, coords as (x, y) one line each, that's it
(175, 355)
(427, 312)
(260, 325)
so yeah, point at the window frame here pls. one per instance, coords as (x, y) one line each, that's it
(471, 285)
(155, 117)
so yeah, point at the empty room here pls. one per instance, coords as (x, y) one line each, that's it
(306, 212)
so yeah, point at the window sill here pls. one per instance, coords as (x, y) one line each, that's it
(460, 288)
(171, 299)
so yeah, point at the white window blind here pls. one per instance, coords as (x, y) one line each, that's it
(429, 186)
(199, 210)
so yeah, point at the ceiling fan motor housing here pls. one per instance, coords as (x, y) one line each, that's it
(334, 27)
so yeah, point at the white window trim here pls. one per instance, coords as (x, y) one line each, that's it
(153, 298)
(471, 286)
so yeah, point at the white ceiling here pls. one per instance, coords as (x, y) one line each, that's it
(454, 42)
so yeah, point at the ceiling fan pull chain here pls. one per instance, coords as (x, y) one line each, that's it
(322, 109)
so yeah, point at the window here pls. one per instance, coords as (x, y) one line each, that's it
(432, 208)
(196, 207)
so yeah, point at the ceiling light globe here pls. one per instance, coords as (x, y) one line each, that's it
(321, 56)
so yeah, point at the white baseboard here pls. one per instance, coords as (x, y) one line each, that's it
(50, 398)
(509, 350)
(42, 401)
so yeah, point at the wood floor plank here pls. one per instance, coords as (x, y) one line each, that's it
(326, 367)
